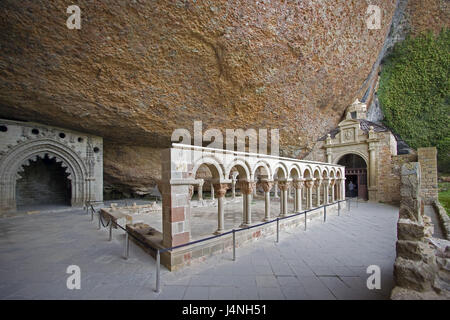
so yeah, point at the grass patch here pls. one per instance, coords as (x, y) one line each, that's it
(444, 195)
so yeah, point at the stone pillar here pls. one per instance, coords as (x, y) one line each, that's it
(221, 190)
(233, 187)
(267, 185)
(317, 184)
(326, 189)
(176, 214)
(372, 165)
(212, 192)
(284, 185)
(298, 185)
(247, 190)
(309, 185)
(342, 189)
(275, 188)
(200, 191)
(289, 191)
(332, 183)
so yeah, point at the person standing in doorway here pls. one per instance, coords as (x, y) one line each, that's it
(351, 189)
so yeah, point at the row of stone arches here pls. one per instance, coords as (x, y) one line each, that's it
(275, 171)
(313, 186)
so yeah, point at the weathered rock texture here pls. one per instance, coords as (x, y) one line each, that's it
(422, 266)
(139, 69)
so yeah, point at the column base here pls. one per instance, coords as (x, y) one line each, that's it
(267, 219)
(245, 225)
(217, 232)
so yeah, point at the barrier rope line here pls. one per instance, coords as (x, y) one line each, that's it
(159, 251)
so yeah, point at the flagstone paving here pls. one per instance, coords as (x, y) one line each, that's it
(327, 261)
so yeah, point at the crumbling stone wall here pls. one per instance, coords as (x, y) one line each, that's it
(394, 178)
(428, 163)
(422, 266)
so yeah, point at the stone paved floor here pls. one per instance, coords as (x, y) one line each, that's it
(328, 261)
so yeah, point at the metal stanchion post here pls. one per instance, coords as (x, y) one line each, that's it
(325, 213)
(348, 202)
(339, 208)
(305, 220)
(234, 245)
(278, 230)
(158, 267)
(127, 246)
(99, 221)
(110, 228)
(92, 214)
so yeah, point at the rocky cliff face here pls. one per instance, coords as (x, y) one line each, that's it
(137, 70)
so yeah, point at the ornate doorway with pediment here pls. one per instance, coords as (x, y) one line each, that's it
(355, 175)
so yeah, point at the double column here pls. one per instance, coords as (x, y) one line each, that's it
(309, 183)
(326, 191)
(332, 183)
(298, 185)
(284, 186)
(220, 190)
(247, 191)
(267, 186)
(317, 184)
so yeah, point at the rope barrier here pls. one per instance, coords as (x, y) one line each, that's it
(111, 222)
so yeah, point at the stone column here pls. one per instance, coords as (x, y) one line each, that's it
(298, 185)
(212, 192)
(247, 190)
(233, 187)
(332, 183)
(200, 191)
(267, 185)
(275, 188)
(221, 190)
(326, 189)
(317, 184)
(309, 185)
(284, 185)
(342, 189)
(289, 192)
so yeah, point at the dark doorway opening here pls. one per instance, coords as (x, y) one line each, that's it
(43, 182)
(356, 176)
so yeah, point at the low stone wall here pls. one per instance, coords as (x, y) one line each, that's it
(444, 219)
(422, 266)
(184, 256)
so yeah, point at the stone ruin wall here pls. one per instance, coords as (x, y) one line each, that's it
(428, 164)
(422, 266)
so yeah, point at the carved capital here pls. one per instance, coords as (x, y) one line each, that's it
(283, 185)
(247, 187)
(266, 185)
(309, 183)
(332, 182)
(317, 182)
(326, 182)
(220, 189)
(191, 190)
(298, 184)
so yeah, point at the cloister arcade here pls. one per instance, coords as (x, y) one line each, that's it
(314, 184)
